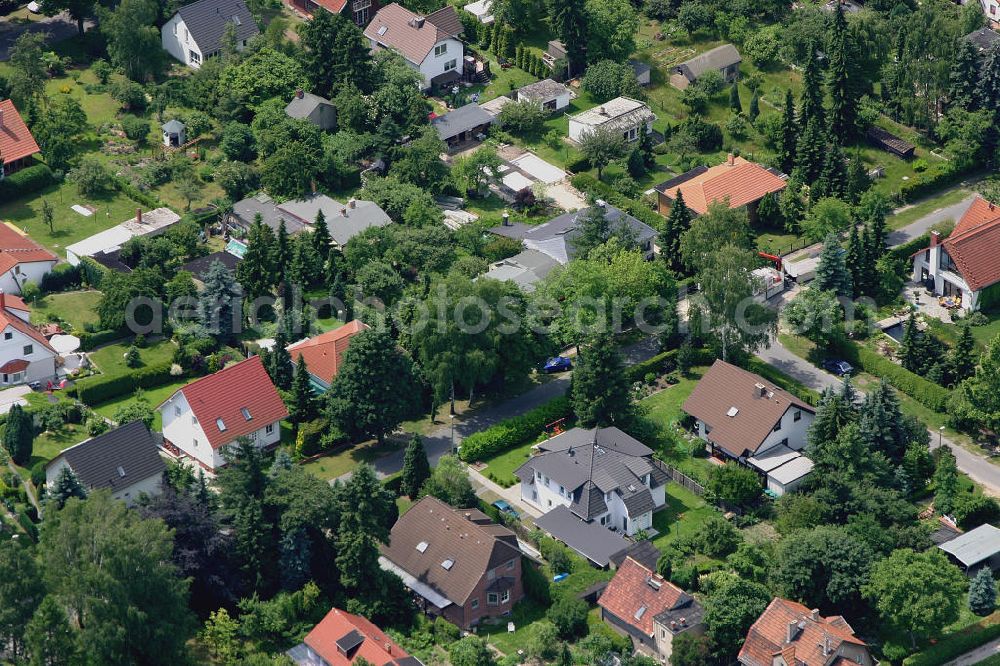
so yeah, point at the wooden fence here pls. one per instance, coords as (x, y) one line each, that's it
(680, 477)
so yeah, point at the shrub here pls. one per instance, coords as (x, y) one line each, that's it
(61, 278)
(89, 340)
(96, 425)
(557, 555)
(933, 179)
(95, 390)
(513, 431)
(38, 473)
(136, 129)
(25, 181)
(955, 644)
(569, 615)
(922, 390)
(132, 358)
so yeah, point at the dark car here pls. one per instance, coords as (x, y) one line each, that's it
(838, 367)
(504, 507)
(557, 364)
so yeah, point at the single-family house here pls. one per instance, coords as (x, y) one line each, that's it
(789, 634)
(966, 265)
(429, 43)
(198, 268)
(549, 94)
(25, 355)
(125, 460)
(198, 31)
(723, 59)
(983, 39)
(590, 482)
(464, 124)
(625, 115)
(459, 564)
(975, 549)
(147, 225)
(343, 639)
(204, 418)
(747, 419)
(16, 142)
(345, 221)
(323, 353)
(525, 269)
(889, 142)
(739, 181)
(22, 260)
(318, 110)
(648, 609)
(358, 11)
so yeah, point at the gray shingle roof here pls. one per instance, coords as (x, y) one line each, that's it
(300, 214)
(983, 38)
(598, 544)
(524, 269)
(716, 59)
(588, 502)
(206, 22)
(117, 459)
(542, 91)
(462, 119)
(301, 107)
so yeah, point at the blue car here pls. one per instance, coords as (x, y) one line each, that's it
(557, 364)
(838, 367)
(504, 507)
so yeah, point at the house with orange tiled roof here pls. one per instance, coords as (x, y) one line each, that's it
(966, 264)
(740, 182)
(342, 639)
(358, 11)
(650, 610)
(25, 355)
(16, 142)
(789, 634)
(22, 260)
(323, 353)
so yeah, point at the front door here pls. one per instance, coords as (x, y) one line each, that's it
(625, 524)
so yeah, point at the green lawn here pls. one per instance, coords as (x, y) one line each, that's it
(48, 445)
(913, 213)
(345, 460)
(664, 408)
(110, 359)
(154, 395)
(76, 308)
(500, 468)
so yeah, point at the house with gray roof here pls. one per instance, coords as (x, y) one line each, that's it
(549, 94)
(631, 117)
(198, 31)
(975, 549)
(125, 461)
(317, 110)
(345, 221)
(724, 59)
(524, 269)
(466, 123)
(983, 39)
(598, 476)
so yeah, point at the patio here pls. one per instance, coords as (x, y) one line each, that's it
(926, 303)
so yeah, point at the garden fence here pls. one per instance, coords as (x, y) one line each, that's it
(681, 478)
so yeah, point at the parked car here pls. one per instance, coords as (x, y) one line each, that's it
(504, 507)
(557, 364)
(838, 367)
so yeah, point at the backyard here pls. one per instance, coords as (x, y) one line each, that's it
(76, 308)
(154, 396)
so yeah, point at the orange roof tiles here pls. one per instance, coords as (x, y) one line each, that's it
(323, 352)
(16, 141)
(743, 182)
(376, 647)
(17, 248)
(974, 245)
(630, 592)
(812, 635)
(225, 394)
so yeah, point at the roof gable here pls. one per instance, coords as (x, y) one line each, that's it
(717, 58)
(16, 247)
(636, 595)
(413, 36)
(10, 318)
(740, 181)
(16, 141)
(116, 459)
(815, 639)
(973, 244)
(341, 638)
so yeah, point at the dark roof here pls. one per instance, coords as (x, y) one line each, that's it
(640, 67)
(542, 91)
(117, 459)
(462, 119)
(681, 179)
(112, 261)
(890, 142)
(206, 21)
(643, 552)
(594, 542)
(975, 545)
(983, 38)
(718, 58)
(199, 267)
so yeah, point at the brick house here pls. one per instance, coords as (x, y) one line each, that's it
(458, 563)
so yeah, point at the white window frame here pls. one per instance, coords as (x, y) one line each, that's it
(451, 64)
(505, 597)
(28, 350)
(269, 428)
(440, 49)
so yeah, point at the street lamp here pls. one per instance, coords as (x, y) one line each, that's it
(940, 435)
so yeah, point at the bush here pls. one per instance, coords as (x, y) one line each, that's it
(514, 431)
(955, 644)
(136, 129)
(930, 181)
(25, 181)
(95, 390)
(309, 440)
(96, 425)
(61, 278)
(132, 358)
(569, 615)
(89, 340)
(557, 555)
(922, 390)
(38, 473)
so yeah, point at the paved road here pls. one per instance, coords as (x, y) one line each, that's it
(921, 226)
(57, 28)
(981, 653)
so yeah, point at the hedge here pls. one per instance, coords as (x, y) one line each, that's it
(93, 391)
(136, 195)
(638, 372)
(25, 181)
(587, 183)
(514, 431)
(61, 278)
(777, 377)
(956, 644)
(89, 341)
(922, 390)
(929, 182)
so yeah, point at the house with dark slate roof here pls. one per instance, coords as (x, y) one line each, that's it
(600, 477)
(466, 123)
(723, 59)
(197, 31)
(318, 110)
(125, 461)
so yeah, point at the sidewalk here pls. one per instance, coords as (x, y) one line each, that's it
(981, 653)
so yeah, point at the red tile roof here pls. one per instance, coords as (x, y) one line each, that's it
(375, 646)
(332, 6)
(742, 182)
(16, 141)
(725, 388)
(9, 318)
(17, 365)
(974, 245)
(226, 393)
(402, 34)
(323, 352)
(636, 588)
(17, 248)
(768, 637)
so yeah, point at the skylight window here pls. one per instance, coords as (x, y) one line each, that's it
(382, 29)
(639, 613)
(121, 471)
(221, 424)
(448, 564)
(246, 413)
(237, 21)
(422, 546)
(733, 411)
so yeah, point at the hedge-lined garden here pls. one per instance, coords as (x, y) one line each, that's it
(514, 431)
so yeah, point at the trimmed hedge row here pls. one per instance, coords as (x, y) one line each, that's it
(514, 431)
(950, 647)
(777, 377)
(93, 391)
(638, 372)
(924, 391)
(25, 181)
(90, 340)
(587, 183)
(930, 181)
(136, 195)
(60, 278)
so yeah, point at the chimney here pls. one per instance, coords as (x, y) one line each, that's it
(313, 184)
(601, 111)
(300, 93)
(673, 626)
(814, 615)
(417, 22)
(468, 516)
(826, 645)
(138, 216)
(601, 203)
(731, 159)
(684, 621)
(388, 648)
(352, 203)
(3, 302)
(1, 117)
(793, 630)
(935, 238)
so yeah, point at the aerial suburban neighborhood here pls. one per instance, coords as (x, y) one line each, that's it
(499, 333)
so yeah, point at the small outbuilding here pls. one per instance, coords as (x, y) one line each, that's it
(643, 72)
(551, 95)
(317, 110)
(482, 10)
(174, 133)
(724, 59)
(889, 142)
(975, 549)
(466, 123)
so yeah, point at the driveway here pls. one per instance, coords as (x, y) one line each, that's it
(13, 396)
(921, 226)
(57, 27)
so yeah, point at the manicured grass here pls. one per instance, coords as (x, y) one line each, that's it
(331, 466)
(683, 515)
(917, 211)
(76, 308)
(500, 468)
(110, 359)
(48, 445)
(665, 407)
(154, 395)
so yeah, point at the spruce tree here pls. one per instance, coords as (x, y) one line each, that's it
(833, 178)
(754, 109)
(303, 407)
(843, 94)
(810, 150)
(568, 19)
(962, 361)
(278, 361)
(811, 103)
(599, 391)
(983, 593)
(256, 271)
(67, 485)
(831, 271)
(854, 259)
(789, 134)
(416, 468)
(282, 252)
(734, 98)
(519, 56)
(833, 414)
(19, 435)
(857, 180)
(219, 302)
(867, 273)
(910, 347)
(881, 425)
(989, 81)
(945, 481)
(964, 77)
(321, 237)
(678, 221)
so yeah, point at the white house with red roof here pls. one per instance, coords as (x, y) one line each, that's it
(208, 415)
(25, 354)
(342, 639)
(323, 353)
(16, 142)
(429, 43)
(966, 265)
(22, 260)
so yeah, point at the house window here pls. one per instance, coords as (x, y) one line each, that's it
(549, 501)
(797, 416)
(505, 597)
(450, 65)
(562, 491)
(195, 441)
(194, 56)
(510, 565)
(632, 134)
(604, 520)
(607, 497)
(475, 604)
(269, 428)
(252, 436)
(28, 350)
(440, 50)
(492, 599)
(491, 574)
(777, 426)
(177, 410)
(16, 378)
(8, 335)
